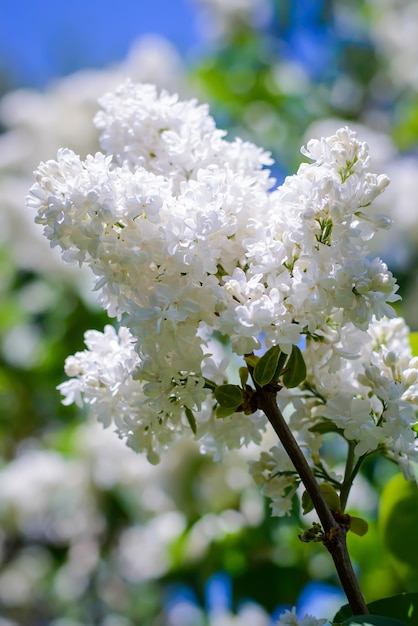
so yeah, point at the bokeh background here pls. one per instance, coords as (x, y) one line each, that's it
(90, 532)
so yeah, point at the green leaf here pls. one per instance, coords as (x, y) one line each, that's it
(265, 369)
(358, 525)
(224, 411)
(398, 520)
(295, 372)
(251, 359)
(229, 396)
(331, 497)
(403, 607)
(209, 384)
(243, 376)
(372, 620)
(307, 504)
(191, 419)
(280, 365)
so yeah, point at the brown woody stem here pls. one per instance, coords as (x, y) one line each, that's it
(335, 529)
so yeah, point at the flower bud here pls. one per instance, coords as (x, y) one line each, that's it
(410, 377)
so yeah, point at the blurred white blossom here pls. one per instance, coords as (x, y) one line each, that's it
(394, 27)
(290, 618)
(54, 500)
(38, 123)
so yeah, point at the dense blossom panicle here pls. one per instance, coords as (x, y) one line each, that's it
(189, 244)
(372, 399)
(178, 139)
(105, 377)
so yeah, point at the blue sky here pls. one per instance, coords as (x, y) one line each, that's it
(42, 39)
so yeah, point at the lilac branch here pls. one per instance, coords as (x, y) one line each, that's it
(335, 529)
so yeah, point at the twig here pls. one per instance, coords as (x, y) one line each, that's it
(335, 529)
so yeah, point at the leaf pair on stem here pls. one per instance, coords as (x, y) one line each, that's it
(274, 367)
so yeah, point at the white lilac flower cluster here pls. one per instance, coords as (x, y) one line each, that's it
(369, 396)
(188, 242)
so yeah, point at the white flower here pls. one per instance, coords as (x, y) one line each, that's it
(47, 496)
(290, 618)
(275, 474)
(167, 136)
(394, 32)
